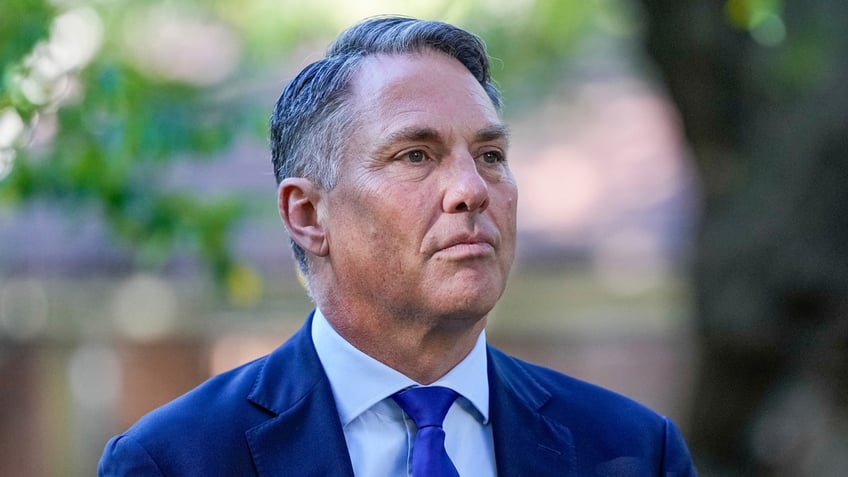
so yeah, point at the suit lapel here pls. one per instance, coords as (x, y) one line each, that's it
(527, 443)
(303, 435)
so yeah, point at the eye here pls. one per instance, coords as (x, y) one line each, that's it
(492, 157)
(415, 156)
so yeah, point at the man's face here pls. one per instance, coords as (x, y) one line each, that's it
(422, 220)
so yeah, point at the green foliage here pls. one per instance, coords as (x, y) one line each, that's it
(113, 136)
(110, 151)
(22, 24)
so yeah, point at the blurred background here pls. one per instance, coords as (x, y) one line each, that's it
(682, 214)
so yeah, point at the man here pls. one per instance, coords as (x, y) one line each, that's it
(394, 186)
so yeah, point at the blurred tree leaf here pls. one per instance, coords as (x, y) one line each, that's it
(22, 24)
(113, 136)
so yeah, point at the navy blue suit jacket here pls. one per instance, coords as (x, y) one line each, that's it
(276, 416)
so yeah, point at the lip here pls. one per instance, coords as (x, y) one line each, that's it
(468, 246)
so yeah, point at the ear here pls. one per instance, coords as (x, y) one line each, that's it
(297, 199)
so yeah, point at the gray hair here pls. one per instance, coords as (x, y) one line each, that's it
(312, 117)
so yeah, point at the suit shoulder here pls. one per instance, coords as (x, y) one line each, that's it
(574, 395)
(608, 430)
(198, 433)
(223, 396)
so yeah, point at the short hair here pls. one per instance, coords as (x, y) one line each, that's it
(312, 118)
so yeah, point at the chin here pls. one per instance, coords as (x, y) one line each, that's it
(463, 320)
(471, 306)
(466, 293)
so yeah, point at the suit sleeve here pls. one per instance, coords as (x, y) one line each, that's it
(124, 457)
(676, 459)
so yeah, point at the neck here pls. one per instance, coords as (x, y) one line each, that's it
(422, 348)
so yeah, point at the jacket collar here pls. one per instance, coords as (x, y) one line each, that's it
(303, 435)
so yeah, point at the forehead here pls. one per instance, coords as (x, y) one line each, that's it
(422, 83)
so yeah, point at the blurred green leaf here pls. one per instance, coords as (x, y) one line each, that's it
(22, 24)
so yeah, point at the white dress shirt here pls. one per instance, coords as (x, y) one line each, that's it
(379, 436)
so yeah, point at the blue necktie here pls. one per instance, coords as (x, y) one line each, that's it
(428, 406)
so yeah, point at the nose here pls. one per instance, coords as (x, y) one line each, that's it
(465, 189)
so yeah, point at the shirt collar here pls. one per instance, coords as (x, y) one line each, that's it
(360, 381)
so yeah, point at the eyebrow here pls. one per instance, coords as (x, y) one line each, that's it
(412, 133)
(492, 132)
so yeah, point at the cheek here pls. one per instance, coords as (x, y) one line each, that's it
(505, 201)
(384, 218)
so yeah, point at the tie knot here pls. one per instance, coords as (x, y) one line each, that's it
(427, 406)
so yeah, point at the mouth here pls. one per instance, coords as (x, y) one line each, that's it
(468, 246)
